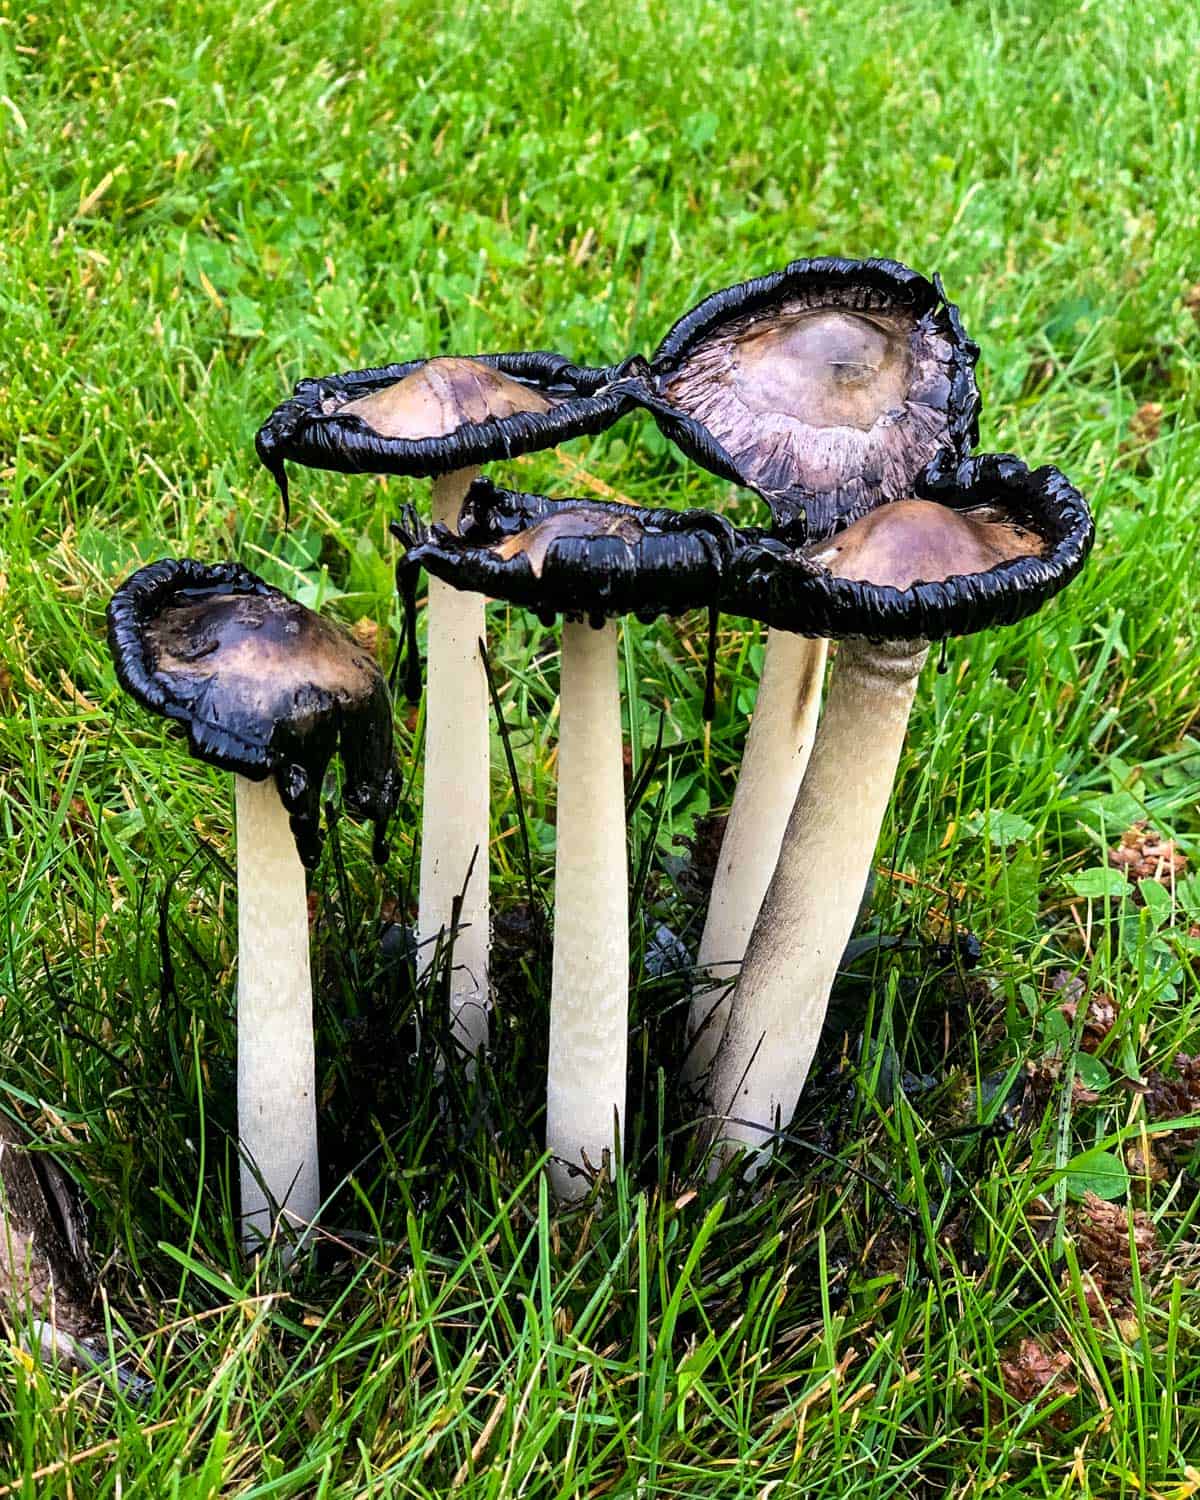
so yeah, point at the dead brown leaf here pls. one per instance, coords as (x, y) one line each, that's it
(366, 632)
(1144, 1161)
(1143, 854)
(1029, 1372)
(1107, 1237)
(1168, 1098)
(1099, 1018)
(1145, 426)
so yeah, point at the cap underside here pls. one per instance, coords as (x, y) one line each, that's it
(829, 387)
(816, 398)
(816, 367)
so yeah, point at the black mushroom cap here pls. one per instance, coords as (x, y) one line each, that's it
(581, 558)
(450, 413)
(262, 686)
(827, 387)
(986, 545)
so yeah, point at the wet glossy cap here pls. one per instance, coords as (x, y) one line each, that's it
(828, 387)
(985, 546)
(262, 686)
(443, 395)
(919, 541)
(430, 417)
(581, 558)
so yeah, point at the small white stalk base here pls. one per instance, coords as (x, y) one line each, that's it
(808, 913)
(277, 1107)
(585, 1093)
(773, 765)
(455, 805)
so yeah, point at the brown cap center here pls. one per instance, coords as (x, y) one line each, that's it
(267, 653)
(826, 367)
(916, 541)
(572, 521)
(441, 396)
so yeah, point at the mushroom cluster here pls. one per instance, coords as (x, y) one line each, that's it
(589, 562)
(985, 546)
(841, 395)
(268, 690)
(441, 419)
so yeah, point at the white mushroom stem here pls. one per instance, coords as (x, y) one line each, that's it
(455, 807)
(808, 913)
(773, 765)
(277, 1106)
(585, 1094)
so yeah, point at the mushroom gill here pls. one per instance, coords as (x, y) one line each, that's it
(823, 399)
(821, 367)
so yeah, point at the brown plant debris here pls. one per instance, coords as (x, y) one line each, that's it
(1143, 854)
(1146, 424)
(1031, 1372)
(366, 632)
(1043, 1079)
(1168, 1098)
(704, 850)
(1143, 1161)
(1100, 1014)
(1040, 1084)
(1041, 1220)
(1081, 1094)
(1102, 1235)
(1191, 300)
(1069, 987)
(887, 1252)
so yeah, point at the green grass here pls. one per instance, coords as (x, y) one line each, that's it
(205, 201)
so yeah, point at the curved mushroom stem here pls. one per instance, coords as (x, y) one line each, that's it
(455, 804)
(808, 913)
(585, 1091)
(277, 1107)
(773, 765)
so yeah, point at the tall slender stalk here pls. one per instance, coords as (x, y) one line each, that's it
(585, 1095)
(276, 1080)
(773, 765)
(455, 807)
(808, 913)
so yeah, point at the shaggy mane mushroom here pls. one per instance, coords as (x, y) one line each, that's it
(441, 419)
(588, 561)
(985, 547)
(268, 690)
(829, 388)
